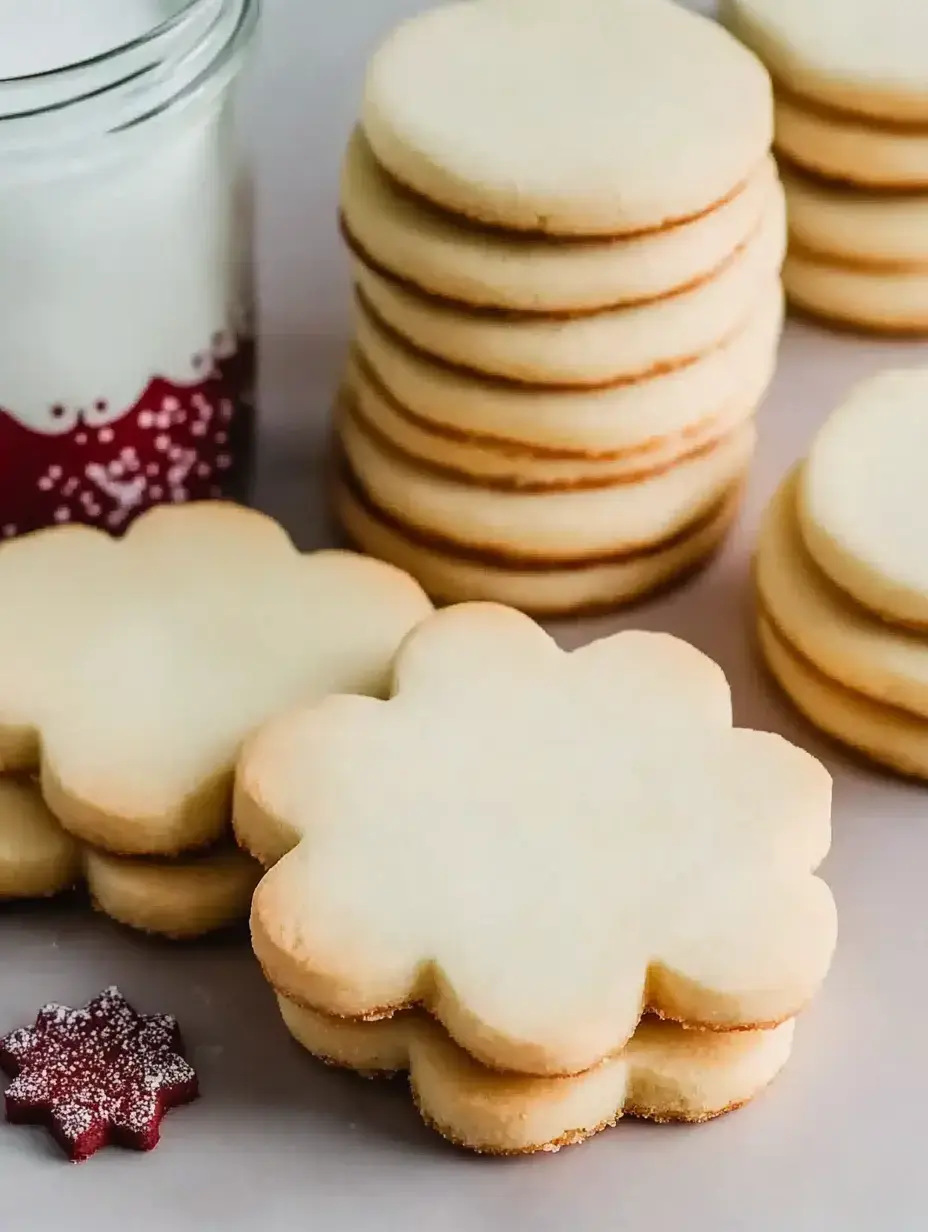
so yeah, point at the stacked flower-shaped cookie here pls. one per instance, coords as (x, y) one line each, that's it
(527, 873)
(130, 673)
(842, 575)
(185, 896)
(566, 233)
(852, 129)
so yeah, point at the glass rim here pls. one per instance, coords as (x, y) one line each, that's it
(116, 52)
(191, 51)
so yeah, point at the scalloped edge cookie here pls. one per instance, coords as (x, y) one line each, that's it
(495, 842)
(665, 1073)
(131, 670)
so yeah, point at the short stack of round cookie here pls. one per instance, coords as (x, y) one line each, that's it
(852, 132)
(566, 231)
(842, 575)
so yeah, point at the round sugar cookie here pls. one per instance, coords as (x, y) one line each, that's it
(883, 301)
(433, 251)
(568, 590)
(594, 117)
(491, 465)
(864, 56)
(37, 858)
(665, 1073)
(603, 423)
(181, 899)
(604, 348)
(843, 640)
(550, 527)
(870, 229)
(852, 151)
(863, 501)
(890, 737)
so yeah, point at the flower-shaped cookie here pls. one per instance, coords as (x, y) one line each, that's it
(131, 670)
(538, 846)
(664, 1073)
(178, 897)
(37, 858)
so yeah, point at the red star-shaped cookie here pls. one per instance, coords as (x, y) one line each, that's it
(98, 1075)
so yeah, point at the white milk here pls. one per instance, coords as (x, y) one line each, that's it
(123, 275)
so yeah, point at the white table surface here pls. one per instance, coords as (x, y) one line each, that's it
(278, 1142)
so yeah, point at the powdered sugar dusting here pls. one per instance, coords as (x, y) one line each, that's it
(96, 1075)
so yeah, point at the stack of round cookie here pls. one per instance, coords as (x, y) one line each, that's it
(852, 126)
(567, 232)
(842, 575)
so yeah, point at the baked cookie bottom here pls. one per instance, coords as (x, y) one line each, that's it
(590, 351)
(180, 898)
(845, 149)
(551, 529)
(666, 1073)
(38, 859)
(431, 250)
(883, 734)
(872, 300)
(573, 426)
(552, 591)
(466, 460)
(844, 641)
(880, 232)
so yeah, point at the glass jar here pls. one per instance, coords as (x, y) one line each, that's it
(126, 344)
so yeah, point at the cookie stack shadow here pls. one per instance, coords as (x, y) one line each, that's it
(554, 414)
(854, 161)
(842, 590)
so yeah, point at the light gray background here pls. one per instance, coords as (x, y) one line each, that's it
(278, 1142)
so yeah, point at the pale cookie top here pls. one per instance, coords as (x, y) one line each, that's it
(539, 845)
(131, 670)
(866, 56)
(568, 117)
(863, 496)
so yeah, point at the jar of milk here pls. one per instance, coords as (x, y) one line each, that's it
(126, 348)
